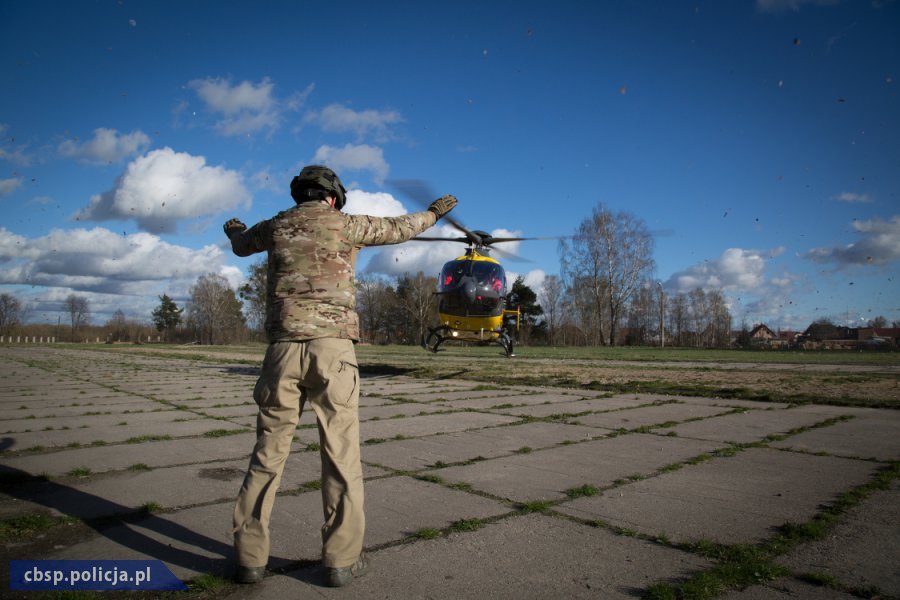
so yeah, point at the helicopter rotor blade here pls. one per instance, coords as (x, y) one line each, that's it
(424, 238)
(509, 255)
(421, 193)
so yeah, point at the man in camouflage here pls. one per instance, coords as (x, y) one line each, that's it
(311, 325)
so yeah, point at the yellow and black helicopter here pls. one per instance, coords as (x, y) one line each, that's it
(473, 304)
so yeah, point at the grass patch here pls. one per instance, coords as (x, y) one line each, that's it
(584, 491)
(151, 507)
(430, 478)
(138, 467)
(141, 439)
(427, 533)
(208, 583)
(16, 528)
(464, 525)
(535, 506)
(80, 472)
(524, 450)
(223, 432)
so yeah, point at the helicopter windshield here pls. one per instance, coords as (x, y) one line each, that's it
(486, 275)
(472, 288)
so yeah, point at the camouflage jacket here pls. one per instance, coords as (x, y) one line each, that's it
(310, 290)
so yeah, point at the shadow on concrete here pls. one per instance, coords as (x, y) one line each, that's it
(116, 524)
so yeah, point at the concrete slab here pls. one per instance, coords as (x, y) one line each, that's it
(575, 407)
(429, 424)
(547, 474)
(876, 435)
(447, 396)
(737, 499)
(517, 399)
(420, 453)
(127, 491)
(198, 540)
(787, 589)
(732, 402)
(534, 556)
(863, 550)
(745, 427)
(121, 456)
(650, 415)
(136, 428)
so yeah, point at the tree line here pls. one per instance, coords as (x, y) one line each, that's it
(605, 295)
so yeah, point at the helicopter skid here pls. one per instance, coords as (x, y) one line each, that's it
(438, 335)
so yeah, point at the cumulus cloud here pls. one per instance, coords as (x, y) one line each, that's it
(8, 186)
(880, 245)
(242, 109)
(336, 118)
(779, 6)
(354, 158)
(853, 198)
(98, 260)
(378, 204)
(107, 146)
(163, 186)
(736, 270)
(10, 152)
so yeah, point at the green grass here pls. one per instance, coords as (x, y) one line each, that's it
(535, 506)
(427, 533)
(465, 525)
(137, 467)
(15, 528)
(80, 472)
(143, 438)
(223, 432)
(584, 491)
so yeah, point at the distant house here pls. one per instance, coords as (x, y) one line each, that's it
(888, 337)
(763, 337)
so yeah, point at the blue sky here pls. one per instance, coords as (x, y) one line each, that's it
(761, 140)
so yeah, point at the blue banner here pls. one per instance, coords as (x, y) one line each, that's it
(99, 575)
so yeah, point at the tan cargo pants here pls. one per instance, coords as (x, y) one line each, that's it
(324, 373)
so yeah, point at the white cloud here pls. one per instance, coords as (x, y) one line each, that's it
(880, 245)
(14, 155)
(265, 180)
(99, 260)
(8, 186)
(163, 186)
(735, 271)
(244, 108)
(107, 146)
(377, 204)
(354, 158)
(340, 119)
(853, 198)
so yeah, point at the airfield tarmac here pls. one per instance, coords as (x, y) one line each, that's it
(472, 489)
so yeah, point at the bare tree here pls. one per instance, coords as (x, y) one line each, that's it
(254, 294)
(552, 290)
(118, 326)
(79, 311)
(215, 310)
(612, 254)
(11, 313)
(417, 297)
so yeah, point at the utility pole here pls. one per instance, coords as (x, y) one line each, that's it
(662, 330)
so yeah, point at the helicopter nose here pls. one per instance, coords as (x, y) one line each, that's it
(470, 289)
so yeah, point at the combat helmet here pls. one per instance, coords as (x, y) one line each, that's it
(315, 179)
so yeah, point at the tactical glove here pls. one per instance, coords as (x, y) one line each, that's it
(233, 226)
(442, 205)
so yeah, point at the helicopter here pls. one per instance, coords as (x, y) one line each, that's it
(473, 305)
